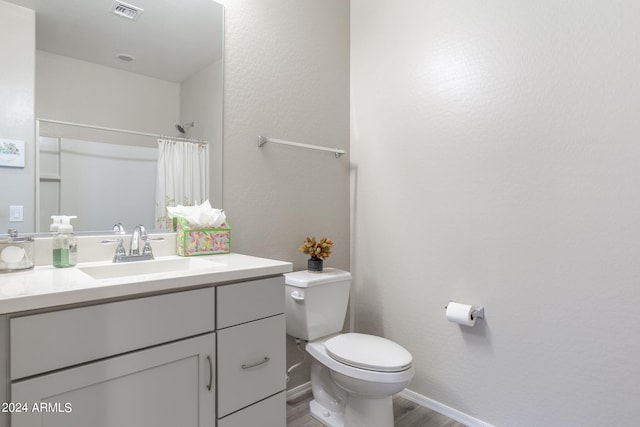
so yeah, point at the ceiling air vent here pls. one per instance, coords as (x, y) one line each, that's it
(126, 10)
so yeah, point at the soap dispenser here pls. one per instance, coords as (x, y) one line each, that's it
(55, 223)
(65, 244)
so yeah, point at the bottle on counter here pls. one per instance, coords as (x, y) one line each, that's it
(55, 223)
(65, 244)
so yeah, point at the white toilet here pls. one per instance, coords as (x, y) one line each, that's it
(353, 376)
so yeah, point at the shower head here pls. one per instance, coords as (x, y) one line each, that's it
(183, 128)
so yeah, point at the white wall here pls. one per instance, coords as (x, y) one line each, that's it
(496, 154)
(287, 77)
(16, 110)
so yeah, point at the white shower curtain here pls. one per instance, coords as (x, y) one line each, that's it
(181, 178)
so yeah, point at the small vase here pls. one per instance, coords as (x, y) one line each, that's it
(314, 264)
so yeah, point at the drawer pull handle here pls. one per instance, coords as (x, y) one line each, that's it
(296, 296)
(253, 365)
(210, 373)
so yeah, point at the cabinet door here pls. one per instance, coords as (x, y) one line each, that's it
(251, 363)
(169, 385)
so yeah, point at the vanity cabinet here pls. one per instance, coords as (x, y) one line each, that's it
(200, 357)
(140, 362)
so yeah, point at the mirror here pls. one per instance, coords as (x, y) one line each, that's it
(136, 71)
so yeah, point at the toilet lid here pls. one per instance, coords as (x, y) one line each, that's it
(368, 352)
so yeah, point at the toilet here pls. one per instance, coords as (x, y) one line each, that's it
(353, 376)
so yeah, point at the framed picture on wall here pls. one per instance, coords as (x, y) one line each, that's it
(11, 153)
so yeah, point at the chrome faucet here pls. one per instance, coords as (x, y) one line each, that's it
(138, 236)
(118, 228)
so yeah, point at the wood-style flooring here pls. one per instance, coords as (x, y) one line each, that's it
(406, 414)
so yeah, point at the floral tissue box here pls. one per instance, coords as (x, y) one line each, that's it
(201, 241)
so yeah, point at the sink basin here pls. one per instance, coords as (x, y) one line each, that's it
(137, 268)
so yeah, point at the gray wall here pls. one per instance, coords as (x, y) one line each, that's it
(501, 138)
(286, 77)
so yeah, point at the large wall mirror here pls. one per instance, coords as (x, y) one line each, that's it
(111, 79)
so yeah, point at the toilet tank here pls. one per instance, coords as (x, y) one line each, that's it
(316, 303)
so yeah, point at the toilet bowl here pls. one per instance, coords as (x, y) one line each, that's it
(367, 381)
(353, 376)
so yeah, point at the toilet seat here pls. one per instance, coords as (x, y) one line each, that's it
(368, 352)
(319, 352)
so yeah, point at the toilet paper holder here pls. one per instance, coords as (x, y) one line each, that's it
(476, 313)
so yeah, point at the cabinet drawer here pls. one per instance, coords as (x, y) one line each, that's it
(270, 412)
(49, 341)
(244, 302)
(245, 375)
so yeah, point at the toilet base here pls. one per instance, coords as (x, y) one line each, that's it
(368, 412)
(359, 412)
(326, 416)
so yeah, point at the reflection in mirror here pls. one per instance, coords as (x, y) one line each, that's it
(102, 173)
(145, 75)
(117, 176)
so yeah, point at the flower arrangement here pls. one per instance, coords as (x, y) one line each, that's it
(316, 249)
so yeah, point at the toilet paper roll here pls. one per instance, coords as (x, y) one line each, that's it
(460, 313)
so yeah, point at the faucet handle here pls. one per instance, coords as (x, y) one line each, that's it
(118, 228)
(120, 251)
(146, 250)
(112, 241)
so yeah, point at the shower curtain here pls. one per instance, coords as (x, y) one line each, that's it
(181, 177)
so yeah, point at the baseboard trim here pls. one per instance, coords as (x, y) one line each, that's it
(443, 409)
(299, 391)
(411, 395)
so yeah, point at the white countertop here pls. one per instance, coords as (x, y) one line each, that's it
(47, 286)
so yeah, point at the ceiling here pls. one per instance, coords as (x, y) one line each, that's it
(171, 40)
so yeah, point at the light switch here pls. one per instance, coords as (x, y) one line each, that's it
(16, 213)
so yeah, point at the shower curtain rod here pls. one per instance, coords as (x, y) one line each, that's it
(263, 140)
(130, 132)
